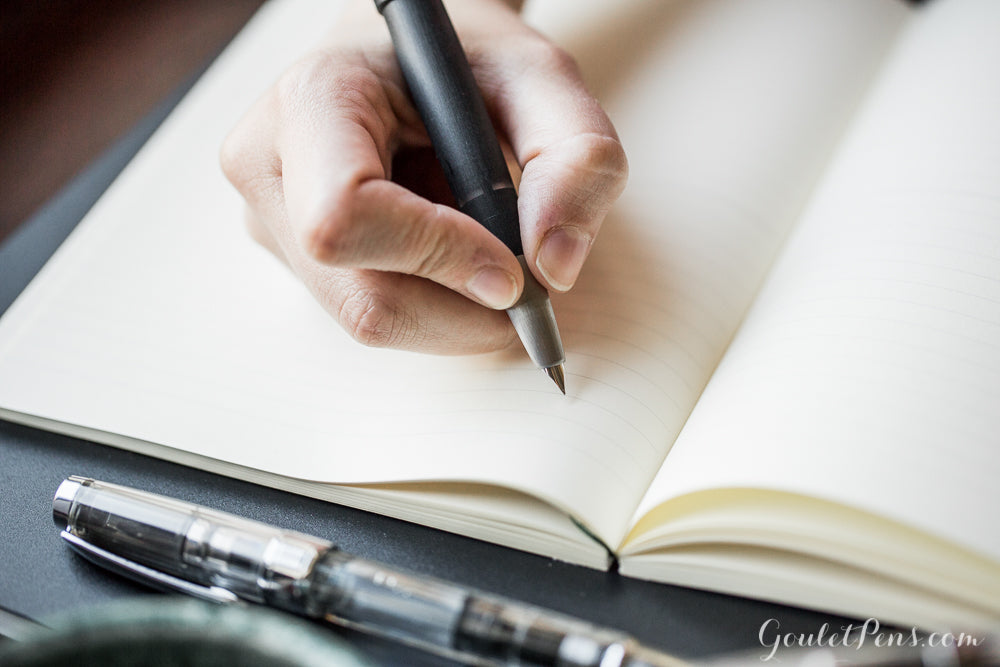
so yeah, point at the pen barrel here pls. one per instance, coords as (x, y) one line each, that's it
(451, 105)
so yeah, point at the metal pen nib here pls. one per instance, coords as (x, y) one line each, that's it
(535, 323)
(558, 376)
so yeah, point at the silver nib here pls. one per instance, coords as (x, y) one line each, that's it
(558, 376)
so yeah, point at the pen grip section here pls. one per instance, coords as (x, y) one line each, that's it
(451, 105)
(375, 599)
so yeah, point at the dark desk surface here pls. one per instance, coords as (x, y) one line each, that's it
(39, 575)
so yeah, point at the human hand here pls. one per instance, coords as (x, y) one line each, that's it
(340, 182)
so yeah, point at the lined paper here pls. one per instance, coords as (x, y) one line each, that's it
(868, 371)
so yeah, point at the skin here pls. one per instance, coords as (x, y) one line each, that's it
(341, 184)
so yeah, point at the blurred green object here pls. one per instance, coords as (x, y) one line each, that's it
(167, 632)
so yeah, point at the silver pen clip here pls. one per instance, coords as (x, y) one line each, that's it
(146, 575)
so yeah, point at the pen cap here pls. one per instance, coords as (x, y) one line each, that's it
(121, 521)
(252, 560)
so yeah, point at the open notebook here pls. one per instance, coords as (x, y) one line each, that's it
(783, 363)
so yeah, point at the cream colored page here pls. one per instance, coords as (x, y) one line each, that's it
(868, 372)
(728, 112)
(161, 321)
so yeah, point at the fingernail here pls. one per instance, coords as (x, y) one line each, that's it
(494, 287)
(561, 256)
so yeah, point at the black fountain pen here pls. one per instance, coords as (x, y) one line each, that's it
(454, 113)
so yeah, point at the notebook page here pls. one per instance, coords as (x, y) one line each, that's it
(868, 372)
(160, 321)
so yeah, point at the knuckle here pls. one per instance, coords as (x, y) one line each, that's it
(605, 157)
(247, 162)
(334, 231)
(331, 231)
(248, 156)
(371, 318)
(554, 58)
(231, 157)
(326, 237)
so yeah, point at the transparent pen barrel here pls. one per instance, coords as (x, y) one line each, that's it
(439, 616)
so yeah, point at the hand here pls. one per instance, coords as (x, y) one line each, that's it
(340, 182)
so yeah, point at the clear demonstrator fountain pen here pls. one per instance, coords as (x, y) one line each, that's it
(220, 557)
